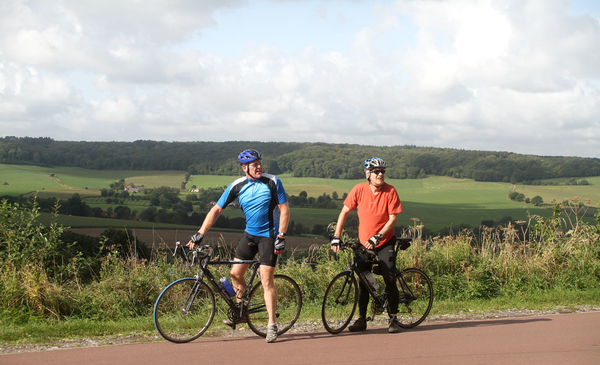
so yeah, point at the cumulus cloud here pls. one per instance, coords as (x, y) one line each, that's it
(518, 76)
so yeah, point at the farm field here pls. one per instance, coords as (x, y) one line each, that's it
(436, 201)
(157, 237)
(560, 193)
(24, 179)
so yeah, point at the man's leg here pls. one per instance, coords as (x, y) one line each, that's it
(237, 278)
(267, 274)
(387, 263)
(243, 252)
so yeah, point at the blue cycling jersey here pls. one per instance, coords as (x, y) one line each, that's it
(258, 199)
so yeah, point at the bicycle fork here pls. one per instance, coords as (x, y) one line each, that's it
(190, 299)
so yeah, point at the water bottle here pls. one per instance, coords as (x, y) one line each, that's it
(371, 280)
(227, 286)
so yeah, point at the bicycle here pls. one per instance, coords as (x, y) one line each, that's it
(341, 296)
(185, 309)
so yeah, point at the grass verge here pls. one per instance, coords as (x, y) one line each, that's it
(44, 331)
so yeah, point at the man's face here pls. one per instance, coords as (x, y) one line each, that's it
(376, 176)
(254, 169)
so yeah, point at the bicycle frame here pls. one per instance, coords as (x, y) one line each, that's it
(380, 300)
(203, 272)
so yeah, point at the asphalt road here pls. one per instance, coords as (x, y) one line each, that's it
(553, 339)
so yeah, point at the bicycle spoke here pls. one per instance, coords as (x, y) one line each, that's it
(339, 302)
(416, 297)
(289, 304)
(184, 310)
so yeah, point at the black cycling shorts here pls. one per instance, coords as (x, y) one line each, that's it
(265, 246)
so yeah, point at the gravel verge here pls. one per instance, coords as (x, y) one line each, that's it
(301, 327)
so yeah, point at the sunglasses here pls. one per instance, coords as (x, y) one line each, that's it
(377, 172)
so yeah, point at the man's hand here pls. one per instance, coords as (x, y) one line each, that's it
(373, 241)
(335, 244)
(279, 245)
(196, 239)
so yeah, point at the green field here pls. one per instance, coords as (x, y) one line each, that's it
(437, 202)
(24, 179)
(560, 193)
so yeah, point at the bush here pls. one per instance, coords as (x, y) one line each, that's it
(42, 276)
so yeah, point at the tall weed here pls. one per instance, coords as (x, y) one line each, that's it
(541, 254)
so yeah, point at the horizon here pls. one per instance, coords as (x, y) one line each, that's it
(328, 143)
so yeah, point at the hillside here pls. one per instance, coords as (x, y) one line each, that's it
(336, 161)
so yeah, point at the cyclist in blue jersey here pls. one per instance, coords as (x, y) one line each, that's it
(263, 200)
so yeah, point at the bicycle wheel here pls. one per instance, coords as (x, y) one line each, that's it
(339, 302)
(289, 304)
(184, 310)
(416, 297)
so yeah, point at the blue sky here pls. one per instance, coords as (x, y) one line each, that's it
(515, 75)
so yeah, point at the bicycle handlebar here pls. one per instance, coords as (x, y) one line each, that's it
(402, 243)
(199, 253)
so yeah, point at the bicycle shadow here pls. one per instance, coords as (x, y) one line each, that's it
(433, 326)
(322, 334)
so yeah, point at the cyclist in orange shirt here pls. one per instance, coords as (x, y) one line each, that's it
(377, 204)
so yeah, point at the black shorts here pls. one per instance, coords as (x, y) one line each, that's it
(265, 246)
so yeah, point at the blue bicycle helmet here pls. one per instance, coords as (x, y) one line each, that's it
(374, 162)
(249, 156)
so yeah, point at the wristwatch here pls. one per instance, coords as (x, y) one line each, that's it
(282, 234)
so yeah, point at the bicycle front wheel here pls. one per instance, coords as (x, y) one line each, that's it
(416, 297)
(339, 302)
(289, 304)
(184, 310)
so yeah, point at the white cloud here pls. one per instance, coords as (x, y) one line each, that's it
(519, 75)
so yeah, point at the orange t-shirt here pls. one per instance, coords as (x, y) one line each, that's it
(373, 210)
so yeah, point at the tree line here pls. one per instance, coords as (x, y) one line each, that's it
(337, 161)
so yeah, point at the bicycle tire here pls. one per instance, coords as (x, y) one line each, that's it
(176, 324)
(289, 305)
(416, 297)
(339, 302)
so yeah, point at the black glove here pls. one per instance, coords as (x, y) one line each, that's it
(375, 240)
(279, 244)
(335, 241)
(197, 238)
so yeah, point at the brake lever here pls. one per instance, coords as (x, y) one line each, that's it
(177, 247)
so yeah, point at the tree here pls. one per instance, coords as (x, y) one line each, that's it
(537, 200)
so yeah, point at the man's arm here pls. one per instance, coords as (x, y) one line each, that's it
(284, 217)
(389, 225)
(284, 220)
(339, 227)
(210, 219)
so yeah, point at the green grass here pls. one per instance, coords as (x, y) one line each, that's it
(437, 201)
(87, 222)
(23, 179)
(47, 331)
(561, 193)
(541, 300)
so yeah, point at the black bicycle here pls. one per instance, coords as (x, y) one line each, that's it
(341, 297)
(186, 307)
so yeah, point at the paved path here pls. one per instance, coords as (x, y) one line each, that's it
(554, 339)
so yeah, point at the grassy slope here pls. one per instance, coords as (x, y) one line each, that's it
(436, 201)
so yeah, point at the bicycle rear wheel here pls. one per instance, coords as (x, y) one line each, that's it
(184, 310)
(339, 302)
(289, 304)
(416, 297)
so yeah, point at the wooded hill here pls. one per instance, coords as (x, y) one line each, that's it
(337, 161)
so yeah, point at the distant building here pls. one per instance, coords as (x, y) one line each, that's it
(134, 188)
